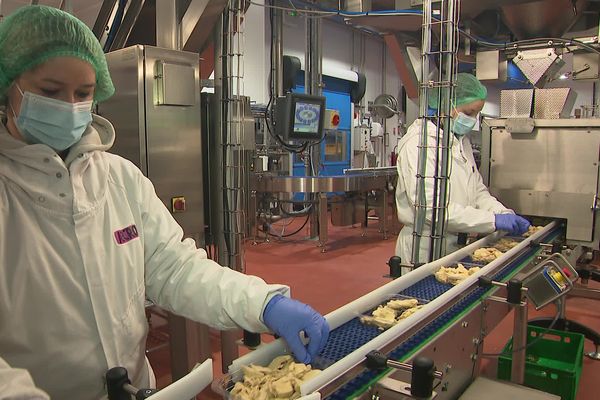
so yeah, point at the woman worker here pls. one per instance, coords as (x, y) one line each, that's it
(471, 208)
(84, 239)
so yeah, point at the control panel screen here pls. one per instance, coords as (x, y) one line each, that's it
(306, 118)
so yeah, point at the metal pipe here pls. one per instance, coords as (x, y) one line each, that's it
(447, 70)
(517, 374)
(277, 54)
(167, 26)
(106, 10)
(437, 205)
(312, 85)
(228, 160)
(276, 88)
(420, 208)
(67, 6)
(131, 16)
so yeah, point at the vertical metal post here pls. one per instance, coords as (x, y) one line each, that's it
(277, 54)
(313, 85)
(436, 206)
(384, 216)
(517, 374)
(448, 48)
(167, 26)
(189, 344)
(228, 213)
(313, 73)
(322, 215)
(276, 89)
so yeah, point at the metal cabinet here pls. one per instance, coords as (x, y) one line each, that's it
(156, 115)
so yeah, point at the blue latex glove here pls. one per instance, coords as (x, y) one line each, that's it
(511, 223)
(287, 318)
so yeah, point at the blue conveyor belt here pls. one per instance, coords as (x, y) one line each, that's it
(354, 334)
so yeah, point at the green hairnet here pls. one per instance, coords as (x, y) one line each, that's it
(467, 90)
(34, 34)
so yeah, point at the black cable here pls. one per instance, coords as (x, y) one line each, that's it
(288, 234)
(289, 147)
(528, 345)
(541, 41)
(305, 211)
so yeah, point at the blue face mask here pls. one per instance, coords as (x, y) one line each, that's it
(52, 122)
(463, 124)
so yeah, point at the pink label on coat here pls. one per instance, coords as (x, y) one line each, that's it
(127, 234)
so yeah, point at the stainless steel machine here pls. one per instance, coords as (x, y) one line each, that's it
(547, 168)
(156, 114)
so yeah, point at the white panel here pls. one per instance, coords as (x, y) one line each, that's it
(294, 36)
(337, 46)
(256, 53)
(373, 68)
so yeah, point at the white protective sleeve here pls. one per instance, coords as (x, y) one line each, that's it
(486, 201)
(16, 384)
(460, 218)
(180, 278)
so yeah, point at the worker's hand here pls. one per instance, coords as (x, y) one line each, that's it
(511, 223)
(287, 318)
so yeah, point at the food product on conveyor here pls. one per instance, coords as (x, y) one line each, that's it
(280, 380)
(403, 304)
(454, 275)
(505, 244)
(532, 230)
(388, 315)
(486, 254)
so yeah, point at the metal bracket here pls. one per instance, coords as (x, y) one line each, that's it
(388, 388)
(520, 125)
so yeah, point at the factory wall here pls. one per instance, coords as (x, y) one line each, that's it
(344, 49)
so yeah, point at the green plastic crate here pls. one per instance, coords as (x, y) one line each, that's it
(553, 363)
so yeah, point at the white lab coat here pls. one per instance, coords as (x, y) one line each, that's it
(72, 296)
(471, 207)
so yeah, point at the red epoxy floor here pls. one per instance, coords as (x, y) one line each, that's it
(352, 266)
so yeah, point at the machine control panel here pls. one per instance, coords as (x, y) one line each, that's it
(551, 279)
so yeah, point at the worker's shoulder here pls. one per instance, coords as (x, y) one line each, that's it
(122, 171)
(410, 141)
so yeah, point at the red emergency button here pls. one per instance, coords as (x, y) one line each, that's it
(335, 121)
(178, 204)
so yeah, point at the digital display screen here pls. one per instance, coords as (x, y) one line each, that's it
(306, 118)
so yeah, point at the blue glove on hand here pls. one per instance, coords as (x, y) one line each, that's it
(511, 223)
(287, 318)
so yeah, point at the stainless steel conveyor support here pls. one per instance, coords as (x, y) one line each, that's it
(354, 361)
(372, 179)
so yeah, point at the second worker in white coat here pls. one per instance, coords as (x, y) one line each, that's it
(471, 207)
